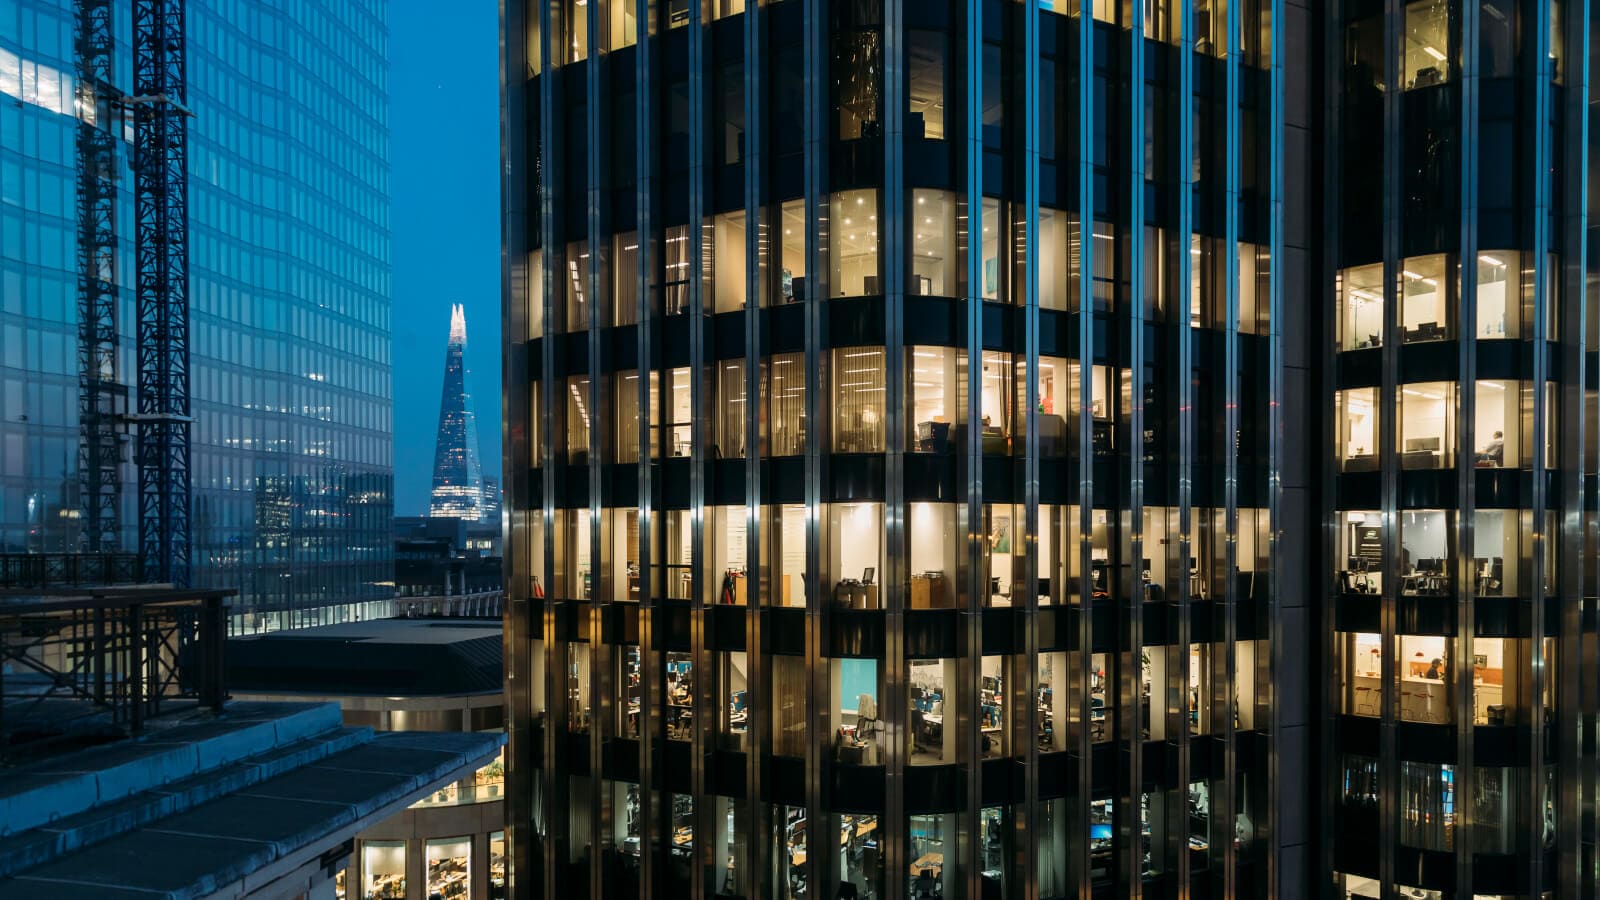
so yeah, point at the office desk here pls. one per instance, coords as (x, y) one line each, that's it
(928, 862)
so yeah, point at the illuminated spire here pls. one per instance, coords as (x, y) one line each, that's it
(458, 324)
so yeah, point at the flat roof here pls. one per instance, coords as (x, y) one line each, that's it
(406, 657)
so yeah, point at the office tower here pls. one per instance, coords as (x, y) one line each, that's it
(289, 290)
(1457, 328)
(457, 472)
(907, 446)
(491, 501)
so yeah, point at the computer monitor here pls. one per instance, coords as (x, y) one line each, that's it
(866, 577)
(1100, 832)
(1044, 587)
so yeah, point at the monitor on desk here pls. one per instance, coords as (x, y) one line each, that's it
(1044, 587)
(1101, 832)
(866, 577)
(1430, 566)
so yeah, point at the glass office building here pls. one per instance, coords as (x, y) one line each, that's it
(290, 269)
(1457, 348)
(905, 458)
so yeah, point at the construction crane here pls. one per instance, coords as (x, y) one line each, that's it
(161, 210)
(102, 397)
(161, 207)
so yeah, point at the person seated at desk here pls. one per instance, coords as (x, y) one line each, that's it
(1435, 670)
(1493, 453)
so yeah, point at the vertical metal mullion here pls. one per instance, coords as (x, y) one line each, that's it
(816, 151)
(558, 784)
(700, 748)
(1085, 341)
(1328, 709)
(1024, 877)
(1539, 247)
(969, 668)
(1572, 784)
(757, 821)
(601, 696)
(896, 258)
(1389, 808)
(1131, 833)
(1276, 885)
(1463, 576)
(646, 70)
(1224, 814)
(1177, 817)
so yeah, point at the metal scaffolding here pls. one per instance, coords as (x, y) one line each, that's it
(161, 203)
(102, 397)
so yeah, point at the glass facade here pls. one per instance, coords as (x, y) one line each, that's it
(1459, 500)
(905, 484)
(290, 293)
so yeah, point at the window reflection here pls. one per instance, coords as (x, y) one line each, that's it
(1428, 48)
(926, 56)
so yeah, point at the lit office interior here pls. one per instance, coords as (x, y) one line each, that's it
(1452, 570)
(780, 545)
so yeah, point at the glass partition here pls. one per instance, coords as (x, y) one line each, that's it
(789, 716)
(932, 743)
(934, 249)
(1359, 662)
(1427, 413)
(858, 399)
(1356, 418)
(383, 866)
(1427, 679)
(1425, 309)
(783, 383)
(856, 725)
(449, 874)
(853, 244)
(936, 391)
(854, 561)
(935, 540)
(1499, 295)
(783, 558)
(1361, 307)
(791, 245)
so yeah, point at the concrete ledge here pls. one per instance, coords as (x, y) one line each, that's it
(40, 845)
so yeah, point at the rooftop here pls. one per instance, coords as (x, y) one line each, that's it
(409, 657)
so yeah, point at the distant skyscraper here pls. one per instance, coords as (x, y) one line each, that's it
(491, 500)
(457, 475)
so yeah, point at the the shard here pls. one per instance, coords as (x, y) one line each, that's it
(457, 472)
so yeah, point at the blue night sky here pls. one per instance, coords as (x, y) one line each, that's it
(445, 120)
